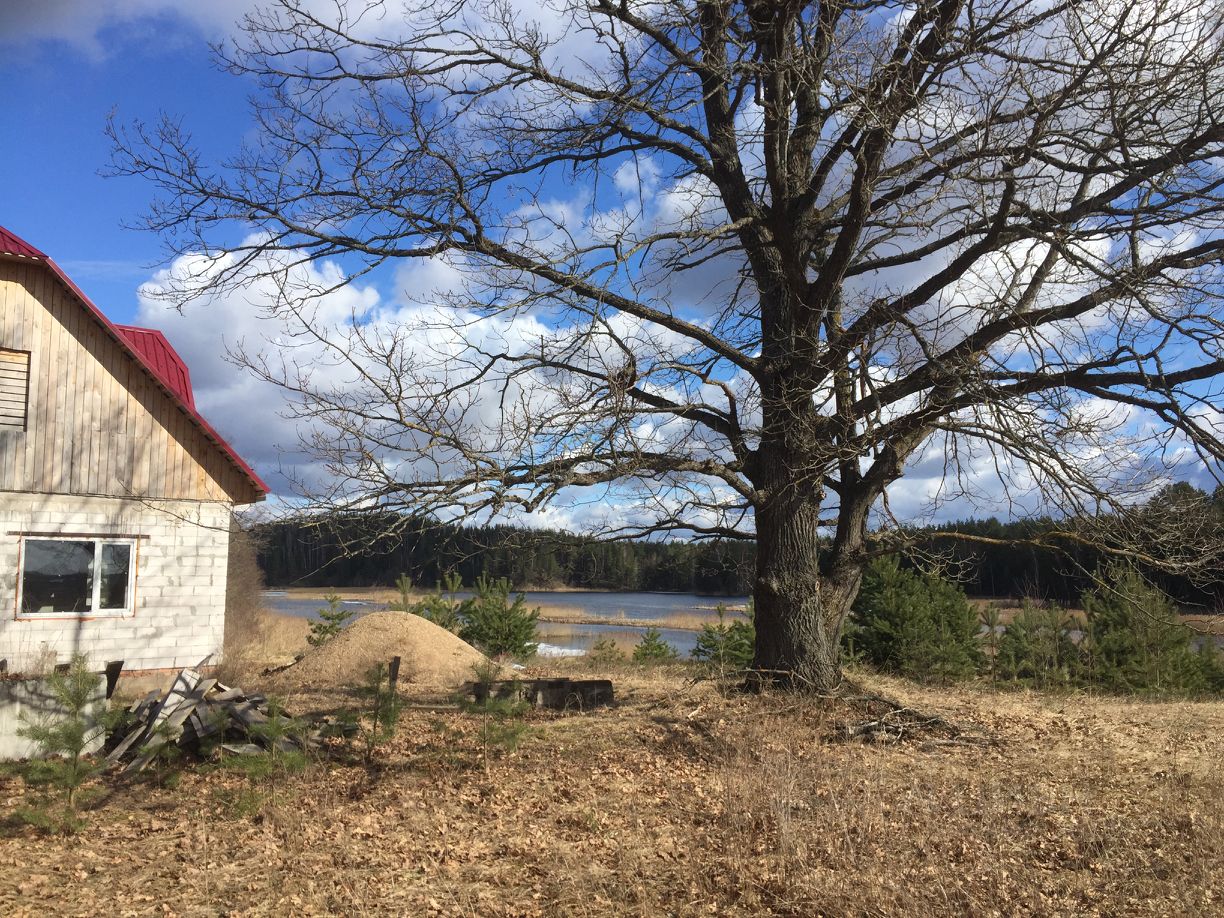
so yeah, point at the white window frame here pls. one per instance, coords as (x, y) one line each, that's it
(93, 611)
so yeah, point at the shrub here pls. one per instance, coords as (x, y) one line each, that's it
(495, 624)
(653, 649)
(245, 616)
(915, 624)
(1036, 646)
(378, 722)
(441, 607)
(1212, 664)
(605, 651)
(331, 621)
(727, 644)
(1136, 641)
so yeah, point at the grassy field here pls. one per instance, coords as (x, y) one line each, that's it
(680, 800)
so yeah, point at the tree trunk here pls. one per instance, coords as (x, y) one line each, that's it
(799, 611)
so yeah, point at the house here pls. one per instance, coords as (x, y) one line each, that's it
(115, 493)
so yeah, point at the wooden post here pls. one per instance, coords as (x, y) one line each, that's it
(393, 673)
(113, 669)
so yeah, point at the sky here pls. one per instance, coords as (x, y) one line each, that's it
(68, 65)
(65, 67)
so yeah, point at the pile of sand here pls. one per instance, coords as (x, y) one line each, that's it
(431, 657)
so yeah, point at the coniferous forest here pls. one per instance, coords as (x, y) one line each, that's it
(351, 551)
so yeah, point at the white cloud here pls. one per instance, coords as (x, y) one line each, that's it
(84, 23)
(637, 175)
(81, 22)
(247, 411)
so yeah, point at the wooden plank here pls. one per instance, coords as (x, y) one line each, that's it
(247, 714)
(242, 749)
(184, 683)
(36, 322)
(206, 724)
(141, 703)
(43, 471)
(165, 730)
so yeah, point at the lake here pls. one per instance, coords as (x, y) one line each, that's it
(638, 610)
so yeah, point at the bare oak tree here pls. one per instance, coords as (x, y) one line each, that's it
(734, 266)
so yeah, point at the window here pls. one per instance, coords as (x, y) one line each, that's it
(14, 389)
(72, 576)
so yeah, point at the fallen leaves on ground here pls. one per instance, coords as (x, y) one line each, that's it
(681, 800)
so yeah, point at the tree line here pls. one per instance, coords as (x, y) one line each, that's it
(355, 550)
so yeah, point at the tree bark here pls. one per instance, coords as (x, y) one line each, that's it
(801, 599)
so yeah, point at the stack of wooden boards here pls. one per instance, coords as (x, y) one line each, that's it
(197, 712)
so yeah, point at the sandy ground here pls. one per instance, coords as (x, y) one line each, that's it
(431, 658)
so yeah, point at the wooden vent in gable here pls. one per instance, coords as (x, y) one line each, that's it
(14, 389)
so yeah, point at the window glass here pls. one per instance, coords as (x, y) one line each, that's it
(57, 576)
(116, 561)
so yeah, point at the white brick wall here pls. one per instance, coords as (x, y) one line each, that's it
(179, 603)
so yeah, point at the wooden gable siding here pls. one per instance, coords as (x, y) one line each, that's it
(97, 423)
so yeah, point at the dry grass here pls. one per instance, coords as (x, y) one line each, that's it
(680, 621)
(681, 800)
(1089, 807)
(253, 635)
(570, 633)
(359, 594)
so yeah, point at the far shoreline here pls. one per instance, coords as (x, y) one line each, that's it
(386, 593)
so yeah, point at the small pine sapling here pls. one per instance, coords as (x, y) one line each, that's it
(382, 710)
(653, 649)
(501, 725)
(499, 626)
(403, 584)
(64, 735)
(605, 652)
(726, 645)
(441, 607)
(1138, 643)
(331, 621)
(991, 618)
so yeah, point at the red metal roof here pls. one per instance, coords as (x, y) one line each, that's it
(14, 245)
(162, 358)
(148, 348)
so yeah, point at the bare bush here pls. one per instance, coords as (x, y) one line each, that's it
(248, 624)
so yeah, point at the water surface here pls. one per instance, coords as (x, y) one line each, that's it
(638, 610)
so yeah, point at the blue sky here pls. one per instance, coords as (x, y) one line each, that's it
(61, 80)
